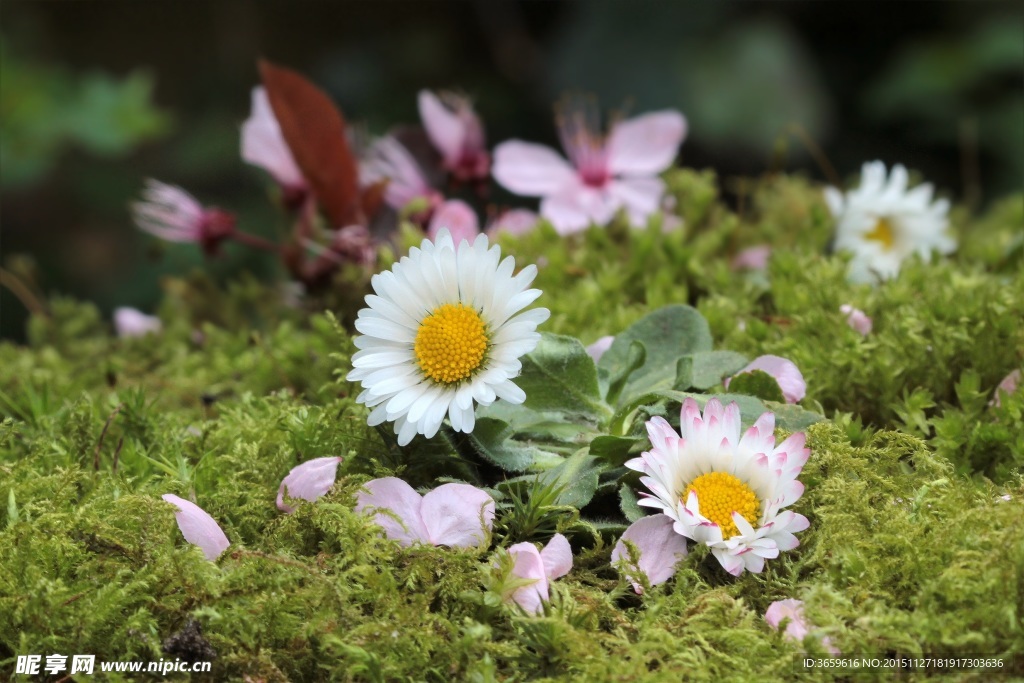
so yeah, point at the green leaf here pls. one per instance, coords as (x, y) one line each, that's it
(757, 383)
(490, 439)
(529, 424)
(708, 368)
(792, 417)
(751, 407)
(667, 334)
(614, 450)
(636, 356)
(578, 478)
(628, 503)
(560, 376)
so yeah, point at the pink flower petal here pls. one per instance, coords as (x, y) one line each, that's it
(514, 222)
(646, 145)
(308, 481)
(641, 197)
(444, 127)
(557, 557)
(264, 145)
(576, 206)
(856, 319)
(198, 527)
(130, 322)
(457, 515)
(529, 565)
(1008, 386)
(661, 549)
(785, 372)
(458, 217)
(393, 494)
(530, 169)
(597, 349)
(790, 609)
(752, 258)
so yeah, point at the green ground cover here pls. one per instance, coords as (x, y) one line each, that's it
(913, 488)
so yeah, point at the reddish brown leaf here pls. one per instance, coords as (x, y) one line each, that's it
(314, 129)
(373, 198)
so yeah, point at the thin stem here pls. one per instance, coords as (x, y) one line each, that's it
(817, 154)
(22, 292)
(255, 242)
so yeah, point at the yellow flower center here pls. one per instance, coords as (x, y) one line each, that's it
(451, 343)
(719, 494)
(883, 233)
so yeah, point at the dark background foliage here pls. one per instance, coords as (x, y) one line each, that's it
(97, 96)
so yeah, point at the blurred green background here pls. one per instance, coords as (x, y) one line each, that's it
(97, 96)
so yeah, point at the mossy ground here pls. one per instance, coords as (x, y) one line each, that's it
(913, 547)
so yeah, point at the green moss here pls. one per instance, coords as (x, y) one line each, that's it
(912, 547)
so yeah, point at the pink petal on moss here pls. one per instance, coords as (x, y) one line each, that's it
(661, 549)
(752, 258)
(444, 127)
(308, 481)
(130, 322)
(529, 169)
(198, 527)
(785, 372)
(557, 557)
(856, 319)
(529, 565)
(1007, 386)
(394, 495)
(514, 222)
(457, 515)
(458, 217)
(646, 144)
(790, 609)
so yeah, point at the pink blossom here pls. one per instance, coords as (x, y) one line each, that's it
(457, 133)
(796, 626)
(130, 322)
(388, 159)
(752, 258)
(785, 372)
(660, 547)
(513, 222)
(308, 481)
(354, 243)
(1008, 385)
(198, 527)
(542, 567)
(597, 349)
(263, 145)
(603, 174)
(456, 515)
(856, 319)
(458, 217)
(172, 214)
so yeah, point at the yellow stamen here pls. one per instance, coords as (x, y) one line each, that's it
(883, 233)
(719, 494)
(451, 343)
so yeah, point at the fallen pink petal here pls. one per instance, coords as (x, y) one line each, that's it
(455, 515)
(752, 258)
(198, 527)
(785, 372)
(856, 319)
(308, 481)
(661, 549)
(792, 612)
(513, 222)
(130, 322)
(541, 567)
(1007, 386)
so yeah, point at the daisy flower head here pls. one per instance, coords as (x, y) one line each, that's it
(882, 222)
(444, 330)
(604, 173)
(723, 489)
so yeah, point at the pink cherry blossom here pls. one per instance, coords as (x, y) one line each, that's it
(1007, 386)
(752, 258)
(456, 515)
(856, 319)
(785, 372)
(198, 527)
(603, 174)
(458, 217)
(388, 159)
(457, 133)
(513, 222)
(308, 481)
(597, 349)
(542, 567)
(263, 145)
(130, 322)
(796, 626)
(172, 214)
(660, 547)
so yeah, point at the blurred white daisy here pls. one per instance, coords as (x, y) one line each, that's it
(722, 490)
(883, 222)
(444, 330)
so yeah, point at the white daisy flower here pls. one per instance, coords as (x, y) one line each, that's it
(722, 490)
(882, 222)
(444, 330)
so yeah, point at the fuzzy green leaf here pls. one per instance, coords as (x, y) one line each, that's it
(614, 450)
(560, 376)
(490, 439)
(578, 478)
(709, 367)
(757, 383)
(628, 503)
